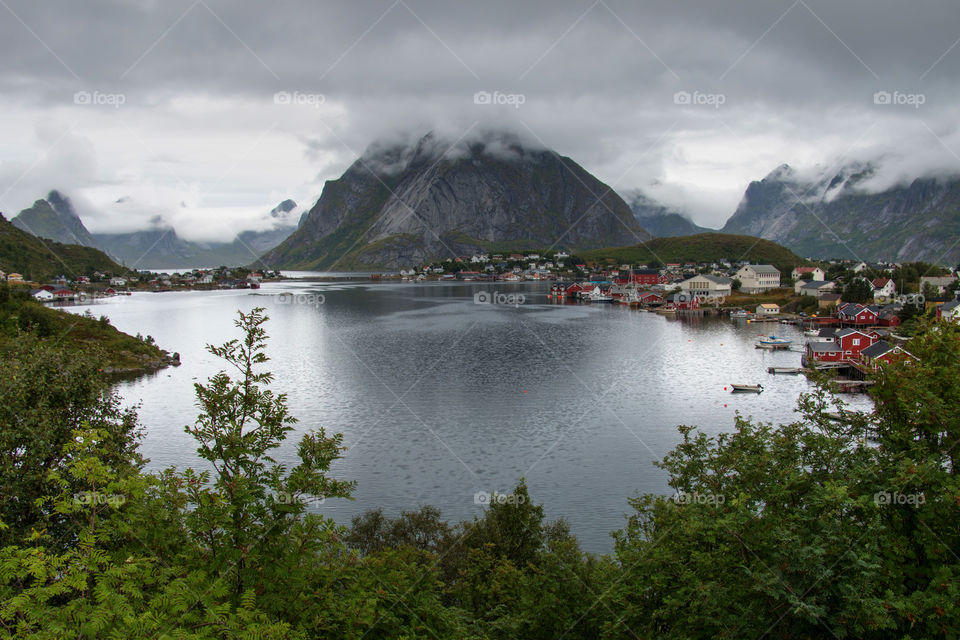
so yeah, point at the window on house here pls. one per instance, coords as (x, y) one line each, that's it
(856, 341)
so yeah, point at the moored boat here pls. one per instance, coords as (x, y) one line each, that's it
(774, 342)
(747, 388)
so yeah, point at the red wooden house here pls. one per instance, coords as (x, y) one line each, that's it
(639, 276)
(882, 352)
(823, 352)
(855, 313)
(852, 342)
(683, 301)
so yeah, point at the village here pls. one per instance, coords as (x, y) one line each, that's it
(62, 289)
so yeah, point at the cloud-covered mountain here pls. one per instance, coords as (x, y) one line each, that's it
(54, 218)
(159, 247)
(837, 215)
(658, 219)
(405, 203)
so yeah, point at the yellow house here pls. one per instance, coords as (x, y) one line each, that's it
(15, 277)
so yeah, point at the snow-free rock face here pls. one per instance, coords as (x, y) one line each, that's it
(836, 217)
(401, 205)
(659, 220)
(55, 219)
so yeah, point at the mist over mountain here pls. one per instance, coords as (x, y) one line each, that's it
(54, 218)
(403, 203)
(157, 247)
(840, 215)
(658, 219)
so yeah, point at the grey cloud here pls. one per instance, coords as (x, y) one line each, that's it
(797, 81)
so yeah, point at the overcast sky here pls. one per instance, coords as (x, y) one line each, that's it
(208, 113)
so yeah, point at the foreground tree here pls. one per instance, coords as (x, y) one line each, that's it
(809, 529)
(49, 393)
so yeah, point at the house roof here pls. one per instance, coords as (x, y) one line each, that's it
(712, 278)
(769, 305)
(880, 283)
(877, 349)
(949, 306)
(824, 347)
(763, 268)
(827, 332)
(830, 297)
(843, 333)
(806, 269)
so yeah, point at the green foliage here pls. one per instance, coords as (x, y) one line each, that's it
(810, 529)
(857, 290)
(40, 260)
(49, 393)
(704, 247)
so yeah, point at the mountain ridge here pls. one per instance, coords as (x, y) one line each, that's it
(399, 205)
(834, 216)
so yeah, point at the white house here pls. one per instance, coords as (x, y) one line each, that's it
(949, 311)
(813, 288)
(768, 309)
(818, 274)
(117, 281)
(41, 295)
(708, 285)
(883, 289)
(940, 283)
(757, 278)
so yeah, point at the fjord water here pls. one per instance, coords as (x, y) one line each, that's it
(440, 398)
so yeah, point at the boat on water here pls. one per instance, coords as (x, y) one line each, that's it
(774, 342)
(597, 295)
(747, 388)
(786, 370)
(739, 313)
(812, 333)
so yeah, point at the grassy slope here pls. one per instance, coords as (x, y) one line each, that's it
(115, 349)
(40, 260)
(704, 247)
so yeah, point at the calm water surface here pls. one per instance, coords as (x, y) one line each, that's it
(439, 398)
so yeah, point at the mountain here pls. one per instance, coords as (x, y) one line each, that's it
(54, 218)
(403, 204)
(835, 216)
(162, 248)
(704, 247)
(41, 259)
(659, 220)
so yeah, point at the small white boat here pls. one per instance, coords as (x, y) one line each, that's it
(739, 313)
(746, 388)
(774, 342)
(599, 296)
